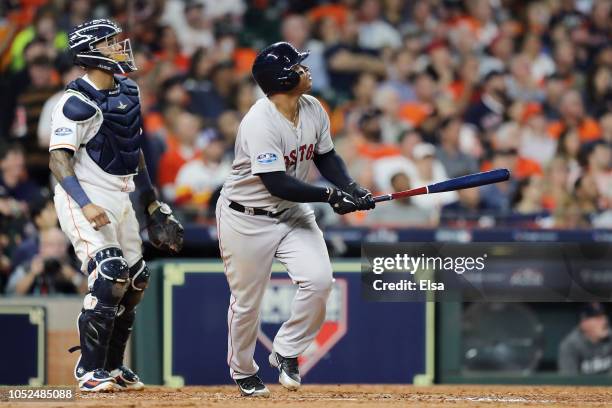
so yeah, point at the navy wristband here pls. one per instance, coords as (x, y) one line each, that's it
(73, 188)
(145, 189)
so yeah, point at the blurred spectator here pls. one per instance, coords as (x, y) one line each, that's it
(346, 59)
(246, 96)
(68, 72)
(44, 28)
(541, 64)
(347, 115)
(605, 122)
(209, 102)
(469, 204)
(599, 91)
(198, 178)
(374, 32)
(573, 115)
(588, 348)
(557, 187)
(428, 170)
(586, 194)
(498, 52)
(568, 148)
(488, 113)
(295, 29)
(425, 89)
(43, 216)
(521, 84)
(535, 142)
(596, 161)
(76, 12)
(385, 168)
(193, 26)
(182, 147)
(399, 74)
(402, 212)
(372, 145)
(31, 89)
(50, 271)
(498, 195)
(554, 87)
(455, 162)
(227, 125)
(387, 100)
(16, 190)
(528, 196)
(169, 49)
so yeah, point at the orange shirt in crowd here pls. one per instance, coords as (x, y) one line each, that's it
(153, 122)
(179, 60)
(171, 162)
(243, 60)
(415, 112)
(524, 168)
(588, 130)
(376, 151)
(337, 11)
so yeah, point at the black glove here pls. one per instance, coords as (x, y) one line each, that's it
(165, 232)
(341, 202)
(363, 196)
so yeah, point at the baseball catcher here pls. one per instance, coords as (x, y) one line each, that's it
(96, 157)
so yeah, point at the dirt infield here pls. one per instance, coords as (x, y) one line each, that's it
(344, 396)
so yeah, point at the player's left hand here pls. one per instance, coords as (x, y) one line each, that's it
(165, 232)
(363, 196)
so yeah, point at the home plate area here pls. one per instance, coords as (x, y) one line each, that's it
(456, 396)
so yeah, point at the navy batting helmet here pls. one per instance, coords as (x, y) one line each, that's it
(93, 44)
(273, 67)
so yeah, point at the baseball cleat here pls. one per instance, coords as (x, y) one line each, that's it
(126, 379)
(97, 381)
(289, 372)
(252, 387)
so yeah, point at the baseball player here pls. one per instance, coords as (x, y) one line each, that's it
(260, 215)
(96, 156)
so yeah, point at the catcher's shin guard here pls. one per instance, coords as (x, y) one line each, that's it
(108, 282)
(139, 280)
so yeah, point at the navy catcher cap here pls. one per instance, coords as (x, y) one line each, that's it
(273, 67)
(93, 44)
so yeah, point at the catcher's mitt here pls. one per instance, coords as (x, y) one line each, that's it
(165, 232)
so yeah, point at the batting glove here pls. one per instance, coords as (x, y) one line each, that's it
(363, 196)
(341, 202)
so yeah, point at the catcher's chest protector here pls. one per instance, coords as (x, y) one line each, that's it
(116, 146)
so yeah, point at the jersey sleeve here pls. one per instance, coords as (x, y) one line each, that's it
(324, 140)
(69, 123)
(265, 148)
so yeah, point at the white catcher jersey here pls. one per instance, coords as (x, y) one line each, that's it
(268, 142)
(72, 135)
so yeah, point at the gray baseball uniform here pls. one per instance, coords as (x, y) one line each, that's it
(268, 142)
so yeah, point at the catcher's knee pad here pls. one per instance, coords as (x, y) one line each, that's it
(139, 280)
(108, 280)
(139, 276)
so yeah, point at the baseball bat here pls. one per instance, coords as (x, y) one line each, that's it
(457, 183)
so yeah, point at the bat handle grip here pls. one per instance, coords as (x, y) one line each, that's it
(380, 198)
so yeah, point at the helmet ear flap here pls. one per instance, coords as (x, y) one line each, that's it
(291, 81)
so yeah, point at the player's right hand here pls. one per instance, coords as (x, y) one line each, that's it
(342, 202)
(95, 215)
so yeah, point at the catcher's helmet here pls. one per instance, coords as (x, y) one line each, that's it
(93, 44)
(272, 68)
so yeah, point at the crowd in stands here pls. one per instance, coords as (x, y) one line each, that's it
(417, 92)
